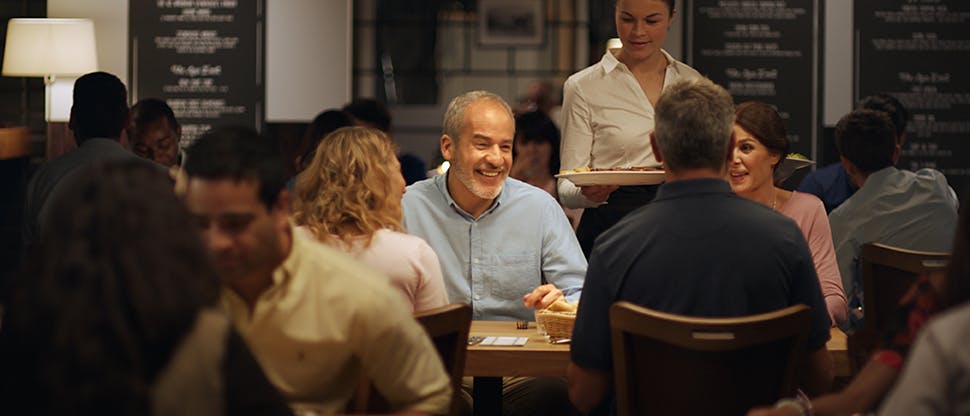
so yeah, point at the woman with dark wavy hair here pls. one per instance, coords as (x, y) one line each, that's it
(350, 198)
(115, 313)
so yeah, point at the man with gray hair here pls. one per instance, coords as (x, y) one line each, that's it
(697, 249)
(505, 246)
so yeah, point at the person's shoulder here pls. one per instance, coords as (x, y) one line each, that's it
(422, 191)
(327, 261)
(594, 71)
(949, 329)
(807, 201)
(519, 191)
(683, 70)
(929, 174)
(402, 242)
(825, 174)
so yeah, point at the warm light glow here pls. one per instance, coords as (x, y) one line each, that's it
(49, 47)
(614, 43)
(444, 167)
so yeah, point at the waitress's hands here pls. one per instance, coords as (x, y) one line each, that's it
(597, 193)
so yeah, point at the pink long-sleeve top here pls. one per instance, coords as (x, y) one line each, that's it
(809, 213)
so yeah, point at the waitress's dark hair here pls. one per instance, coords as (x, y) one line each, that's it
(765, 124)
(113, 285)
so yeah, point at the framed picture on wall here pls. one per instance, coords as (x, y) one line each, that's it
(511, 22)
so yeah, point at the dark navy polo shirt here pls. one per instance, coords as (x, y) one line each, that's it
(699, 250)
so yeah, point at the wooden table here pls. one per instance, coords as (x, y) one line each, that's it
(539, 358)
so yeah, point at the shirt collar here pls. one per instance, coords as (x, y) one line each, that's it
(291, 264)
(692, 187)
(881, 175)
(610, 62)
(441, 182)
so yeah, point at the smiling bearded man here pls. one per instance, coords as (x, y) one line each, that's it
(505, 246)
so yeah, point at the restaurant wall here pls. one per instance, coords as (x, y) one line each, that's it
(300, 78)
(309, 63)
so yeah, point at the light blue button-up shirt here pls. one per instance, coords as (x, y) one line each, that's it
(522, 241)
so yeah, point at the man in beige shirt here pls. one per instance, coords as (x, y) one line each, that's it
(315, 319)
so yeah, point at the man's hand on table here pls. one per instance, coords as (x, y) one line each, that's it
(543, 296)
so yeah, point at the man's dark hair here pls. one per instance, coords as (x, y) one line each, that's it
(867, 139)
(889, 105)
(100, 107)
(371, 111)
(148, 110)
(238, 153)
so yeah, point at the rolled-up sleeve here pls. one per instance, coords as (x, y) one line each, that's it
(577, 143)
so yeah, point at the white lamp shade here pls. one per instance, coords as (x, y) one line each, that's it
(41, 47)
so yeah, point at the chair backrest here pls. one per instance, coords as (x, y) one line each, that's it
(448, 328)
(668, 364)
(887, 273)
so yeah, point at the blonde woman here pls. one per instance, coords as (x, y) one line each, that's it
(350, 197)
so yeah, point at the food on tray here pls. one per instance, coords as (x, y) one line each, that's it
(626, 169)
(798, 156)
(613, 169)
(577, 170)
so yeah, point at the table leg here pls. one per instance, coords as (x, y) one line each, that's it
(487, 394)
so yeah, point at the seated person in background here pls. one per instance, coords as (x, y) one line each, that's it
(929, 295)
(314, 318)
(831, 184)
(504, 246)
(536, 156)
(539, 96)
(368, 112)
(760, 145)
(914, 210)
(350, 198)
(644, 258)
(322, 125)
(154, 133)
(116, 313)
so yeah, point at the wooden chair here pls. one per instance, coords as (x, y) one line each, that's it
(887, 273)
(665, 364)
(448, 328)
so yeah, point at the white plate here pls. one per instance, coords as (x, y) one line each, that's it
(615, 177)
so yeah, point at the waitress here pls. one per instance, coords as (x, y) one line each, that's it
(607, 114)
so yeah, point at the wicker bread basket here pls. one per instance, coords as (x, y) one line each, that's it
(556, 324)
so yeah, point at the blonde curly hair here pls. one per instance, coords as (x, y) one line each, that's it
(346, 192)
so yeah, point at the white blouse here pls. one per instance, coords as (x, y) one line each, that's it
(607, 119)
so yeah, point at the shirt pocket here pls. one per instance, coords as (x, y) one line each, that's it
(514, 275)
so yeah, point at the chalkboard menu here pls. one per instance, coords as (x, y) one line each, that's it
(762, 50)
(203, 57)
(919, 52)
